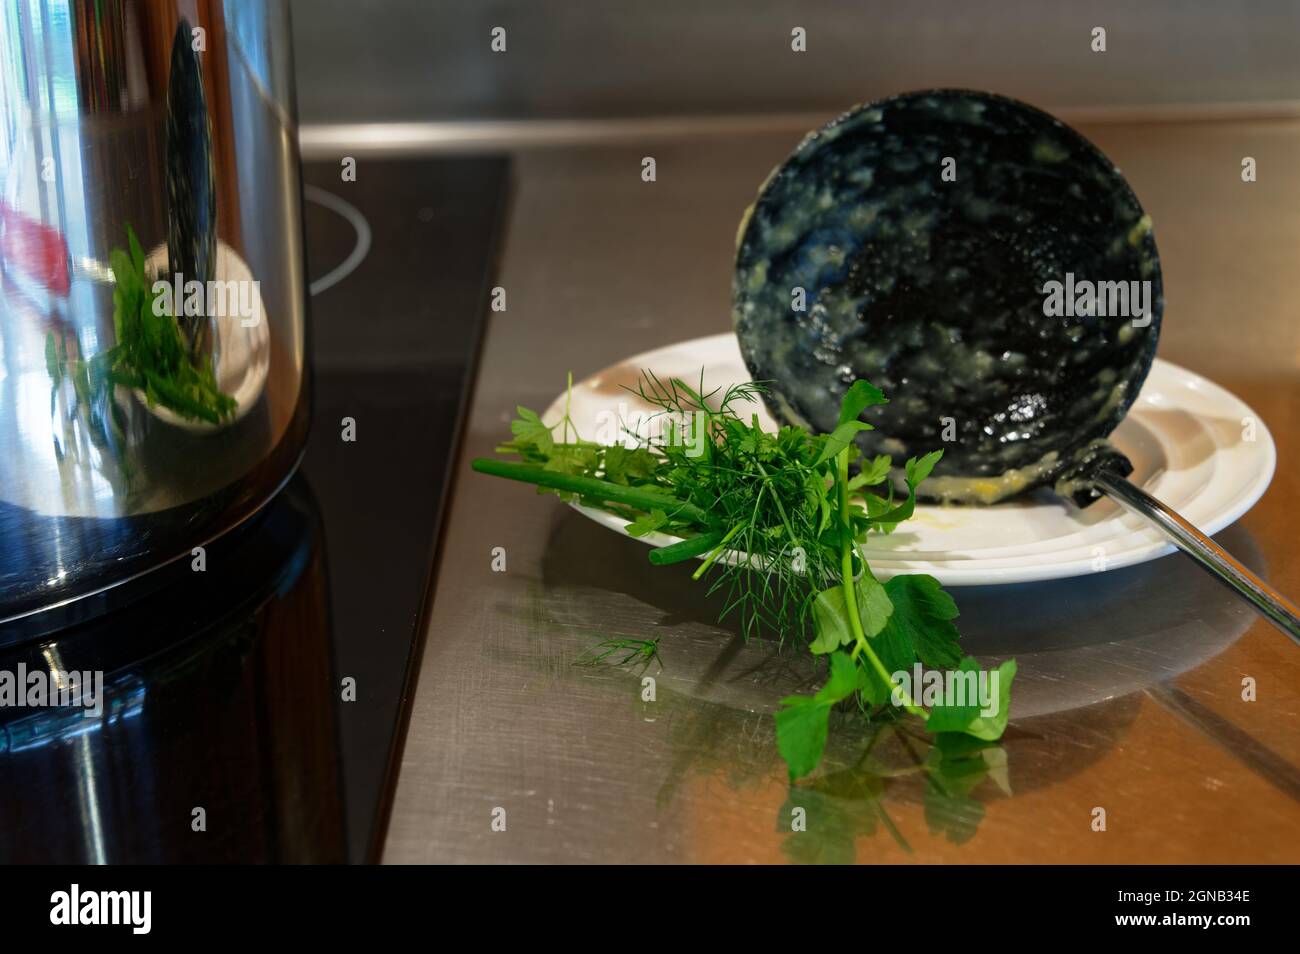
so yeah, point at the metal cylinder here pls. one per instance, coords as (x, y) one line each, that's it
(153, 304)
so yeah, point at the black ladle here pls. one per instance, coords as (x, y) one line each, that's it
(942, 245)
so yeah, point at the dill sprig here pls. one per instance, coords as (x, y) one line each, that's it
(620, 651)
(744, 479)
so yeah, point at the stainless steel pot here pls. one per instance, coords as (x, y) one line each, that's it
(153, 387)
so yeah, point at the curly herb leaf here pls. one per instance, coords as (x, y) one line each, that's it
(921, 624)
(647, 523)
(530, 431)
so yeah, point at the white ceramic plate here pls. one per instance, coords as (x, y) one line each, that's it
(1189, 441)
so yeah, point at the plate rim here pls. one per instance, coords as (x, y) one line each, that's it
(1150, 545)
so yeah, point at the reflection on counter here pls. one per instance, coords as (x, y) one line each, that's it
(1087, 649)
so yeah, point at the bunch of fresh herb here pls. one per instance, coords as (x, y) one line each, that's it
(777, 519)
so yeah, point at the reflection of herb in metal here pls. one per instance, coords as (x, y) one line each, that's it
(151, 353)
(91, 403)
(843, 805)
(955, 765)
(641, 652)
(871, 787)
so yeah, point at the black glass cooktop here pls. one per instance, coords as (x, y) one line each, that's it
(251, 712)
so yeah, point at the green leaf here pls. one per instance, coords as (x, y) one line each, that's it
(575, 459)
(968, 718)
(874, 605)
(877, 507)
(831, 619)
(895, 650)
(916, 471)
(845, 679)
(647, 524)
(950, 810)
(802, 725)
(860, 396)
(952, 747)
(752, 439)
(872, 473)
(830, 622)
(801, 728)
(123, 272)
(922, 620)
(839, 439)
(625, 464)
(529, 430)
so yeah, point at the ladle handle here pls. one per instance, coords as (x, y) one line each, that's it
(1280, 611)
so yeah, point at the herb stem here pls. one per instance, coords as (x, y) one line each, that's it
(850, 594)
(717, 552)
(785, 520)
(685, 549)
(846, 557)
(640, 498)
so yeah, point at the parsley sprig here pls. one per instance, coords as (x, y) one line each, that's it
(777, 519)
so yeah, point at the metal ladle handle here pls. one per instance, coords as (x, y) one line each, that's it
(1280, 611)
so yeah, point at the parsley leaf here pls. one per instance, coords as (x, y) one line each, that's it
(917, 469)
(873, 473)
(841, 438)
(845, 679)
(968, 718)
(801, 729)
(921, 625)
(151, 354)
(572, 458)
(831, 620)
(530, 431)
(624, 465)
(803, 723)
(860, 396)
(647, 523)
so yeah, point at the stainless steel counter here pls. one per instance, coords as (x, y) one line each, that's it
(1129, 696)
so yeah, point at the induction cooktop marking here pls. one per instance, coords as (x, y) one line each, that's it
(359, 224)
